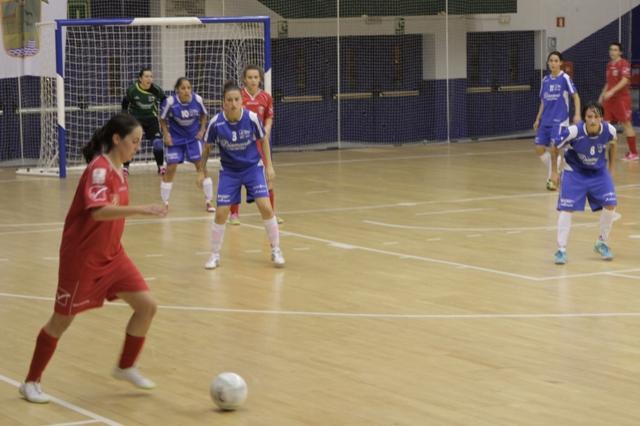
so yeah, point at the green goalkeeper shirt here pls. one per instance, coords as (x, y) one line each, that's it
(144, 103)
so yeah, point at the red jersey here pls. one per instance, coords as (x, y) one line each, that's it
(89, 245)
(261, 104)
(616, 71)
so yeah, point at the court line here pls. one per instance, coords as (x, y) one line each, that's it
(450, 229)
(396, 254)
(370, 315)
(451, 211)
(587, 274)
(632, 277)
(67, 405)
(83, 422)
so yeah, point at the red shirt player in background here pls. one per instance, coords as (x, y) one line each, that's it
(260, 102)
(93, 264)
(615, 97)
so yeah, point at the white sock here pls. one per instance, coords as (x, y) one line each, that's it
(564, 226)
(606, 222)
(546, 160)
(217, 236)
(165, 190)
(273, 232)
(207, 187)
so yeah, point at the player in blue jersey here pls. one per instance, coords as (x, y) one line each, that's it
(236, 131)
(184, 119)
(589, 148)
(553, 113)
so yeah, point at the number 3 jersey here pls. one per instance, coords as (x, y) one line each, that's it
(237, 140)
(585, 153)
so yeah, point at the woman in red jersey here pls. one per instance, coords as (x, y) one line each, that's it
(93, 264)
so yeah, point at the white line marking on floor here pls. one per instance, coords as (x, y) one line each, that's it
(434, 239)
(56, 258)
(83, 422)
(633, 277)
(451, 212)
(150, 278)
(635, 236)
(153, 255)
(366, 314)
(339, 245)
(67, 405)
(514, 232)
(407, 204)
(587, 274)
(451, 229)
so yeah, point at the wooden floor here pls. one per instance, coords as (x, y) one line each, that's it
(419, 290)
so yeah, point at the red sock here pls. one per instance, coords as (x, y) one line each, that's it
(235, 209)
(631, 141)
(45, 347)
(272, 198)
(130, 351)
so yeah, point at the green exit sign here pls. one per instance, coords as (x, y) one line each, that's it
(78, 9)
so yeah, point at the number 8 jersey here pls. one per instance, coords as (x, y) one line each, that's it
(585, 153)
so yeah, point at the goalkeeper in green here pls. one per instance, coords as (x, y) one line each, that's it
(142, 100)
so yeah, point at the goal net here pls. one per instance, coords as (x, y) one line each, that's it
(98, 59)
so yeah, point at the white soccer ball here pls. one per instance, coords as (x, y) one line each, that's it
(228, 391)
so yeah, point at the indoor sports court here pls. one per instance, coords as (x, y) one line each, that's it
(418, 228)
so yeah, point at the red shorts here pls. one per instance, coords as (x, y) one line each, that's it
(617, 110)
(89, 288)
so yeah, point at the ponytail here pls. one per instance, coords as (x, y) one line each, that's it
(102, 140)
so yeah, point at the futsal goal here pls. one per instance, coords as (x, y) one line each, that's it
(97, 59)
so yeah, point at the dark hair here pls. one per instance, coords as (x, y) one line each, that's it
(143, 70)
(596, 106)
(179, 82)
(229, 86)
(102, 140)
(251, 67)
(555, 52)
(615, 43)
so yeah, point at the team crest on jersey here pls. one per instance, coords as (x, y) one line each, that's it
(62, 297)
(98, 193)
(99, 176)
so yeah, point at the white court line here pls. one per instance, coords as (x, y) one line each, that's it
(396, 254)
(450, 229)
(632, 277)
(83, 422)
(400, 158)
(635, 236)
(451, 211)
(586, 274)
(154, 255)
(369, 314)
(67, 405)
(434, 239)
(150, 278)
(56, 258)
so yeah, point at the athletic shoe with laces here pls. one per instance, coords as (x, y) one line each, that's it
(133, 376)
(277, 258)
(630, 157)
(560, 257)
(213, 262)
(603, 250)
(551, 186)
(279, 220)
(32, 392)
(209, 207)
(234, 219)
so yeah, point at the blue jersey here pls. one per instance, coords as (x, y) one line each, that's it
(183, 119)
(237, 140)
(585, 153)
(554, 95)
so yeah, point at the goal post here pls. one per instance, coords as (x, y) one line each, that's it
(97, 60)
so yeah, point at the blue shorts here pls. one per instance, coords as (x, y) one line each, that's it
(545, 134)
(192, 151)
(598, 188)
(230, 184)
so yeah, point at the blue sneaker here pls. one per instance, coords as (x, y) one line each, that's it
(603, 250)
(560, 258)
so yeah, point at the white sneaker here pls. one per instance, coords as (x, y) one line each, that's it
(213, 262)
(277, 258)
(32, 392)
(209, 207)
(133, 376)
